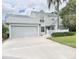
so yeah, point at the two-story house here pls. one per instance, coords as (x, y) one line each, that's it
(37, 24)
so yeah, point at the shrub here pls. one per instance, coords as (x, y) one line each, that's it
(59, 34)
(5, 36)
(5, 33)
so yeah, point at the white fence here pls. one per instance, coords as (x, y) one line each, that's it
(59, 30)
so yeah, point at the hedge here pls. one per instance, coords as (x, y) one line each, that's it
(63, 34)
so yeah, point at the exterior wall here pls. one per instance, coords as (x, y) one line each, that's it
(49, 19)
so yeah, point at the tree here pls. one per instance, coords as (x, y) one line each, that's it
(68, 14)
(69, 9)
(69, 21)
(57, 4)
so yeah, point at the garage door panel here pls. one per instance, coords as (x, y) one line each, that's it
(27, 31)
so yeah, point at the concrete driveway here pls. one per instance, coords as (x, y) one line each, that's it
(36, 48)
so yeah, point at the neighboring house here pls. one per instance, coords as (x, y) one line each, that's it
(37, 24)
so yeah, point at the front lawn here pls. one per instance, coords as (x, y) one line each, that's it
(67, 40)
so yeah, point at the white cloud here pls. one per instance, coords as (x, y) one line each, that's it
(9, 5)
(16, 5)
(6, 8)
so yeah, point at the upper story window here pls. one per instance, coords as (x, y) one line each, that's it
(52, 19)
(50, 15)
(41, 20)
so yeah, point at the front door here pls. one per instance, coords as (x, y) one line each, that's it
(43, 30)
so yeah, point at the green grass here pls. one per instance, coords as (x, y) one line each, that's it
(67, 40)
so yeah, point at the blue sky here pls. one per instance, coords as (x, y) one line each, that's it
(14, 6)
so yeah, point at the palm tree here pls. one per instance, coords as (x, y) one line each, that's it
(57, 4)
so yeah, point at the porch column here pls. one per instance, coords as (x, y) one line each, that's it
(39, 29)
(56, 24)
(45, 30)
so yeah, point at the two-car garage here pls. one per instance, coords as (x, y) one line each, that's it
(24, 31)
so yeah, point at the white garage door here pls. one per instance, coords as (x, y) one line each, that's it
(26, 31)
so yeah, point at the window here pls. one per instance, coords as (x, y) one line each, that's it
(41, 20)
(42, 29)
(50, 27)
(52, 19)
